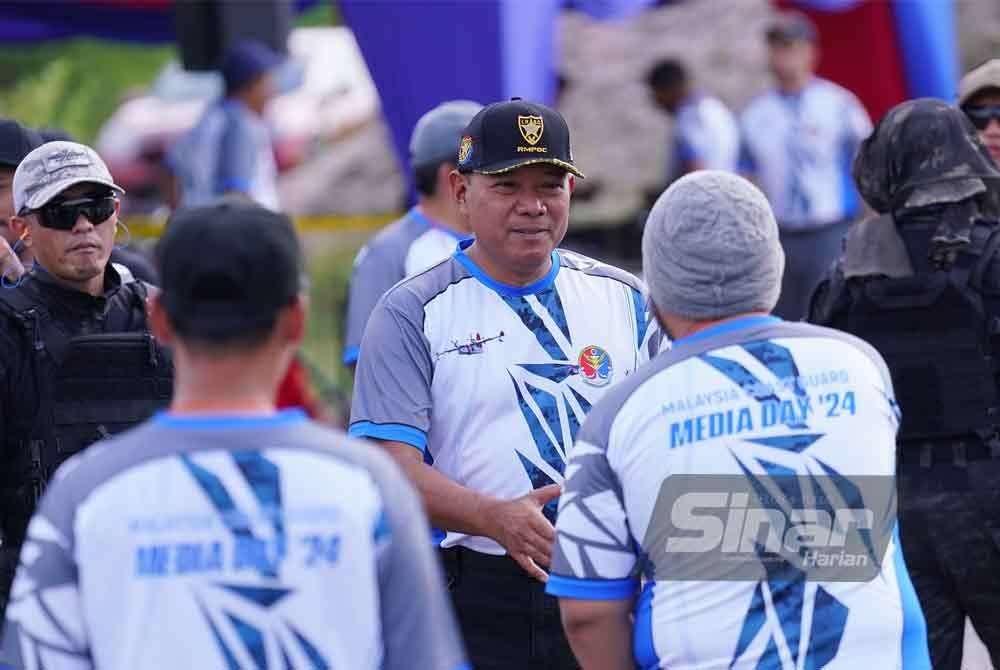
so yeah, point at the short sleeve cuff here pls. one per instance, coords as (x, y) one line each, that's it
(351, 355)
(393, 432)
(591, 589)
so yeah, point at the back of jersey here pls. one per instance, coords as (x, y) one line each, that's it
(747, 476)
(230, 543)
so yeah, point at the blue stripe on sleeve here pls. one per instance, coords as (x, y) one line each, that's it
(351, 355)
(234, 184)
(393, 432)
(640, 317)
(643, 647)
(591, 589)
(916, 655)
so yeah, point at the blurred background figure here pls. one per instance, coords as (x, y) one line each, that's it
(798, 142)
(230, 150)
(430, 231)
(921, 283)
(979, 98)
(16, 142)
(705, 132)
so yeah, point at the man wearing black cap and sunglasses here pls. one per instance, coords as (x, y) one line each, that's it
(16, 142)
(77, 360)
(477, 373)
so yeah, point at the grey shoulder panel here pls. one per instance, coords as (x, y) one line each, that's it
(574, 261)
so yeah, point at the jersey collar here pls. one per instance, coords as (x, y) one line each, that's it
(728, 327)
(229, 421)
(425, 220)
(501, 288)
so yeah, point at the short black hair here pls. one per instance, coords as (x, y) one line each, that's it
(667, 74)
(215, 343)
(425, 178)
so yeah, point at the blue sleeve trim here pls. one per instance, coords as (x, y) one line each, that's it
(351, 355)
(916, 655)
(241, 185)
(591, 589)
(686, 152)
(393, 432)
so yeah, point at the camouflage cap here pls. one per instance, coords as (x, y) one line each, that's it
(922, 152)
(54, 167)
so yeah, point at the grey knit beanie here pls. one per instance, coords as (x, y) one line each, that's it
(710, 248)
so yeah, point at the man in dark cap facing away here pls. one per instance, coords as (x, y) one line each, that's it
(921, 283)
(16, 142)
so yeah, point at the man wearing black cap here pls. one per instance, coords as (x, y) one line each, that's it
(16, 142)
(428, 233)
(261, 539)
(798, 142)
(77, 361)
(921, 283)
(477, 373)
(230, 150)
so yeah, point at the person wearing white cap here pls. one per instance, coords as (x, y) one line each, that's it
(77, 361)
(979, 98)
(746, 417)
(425, 235)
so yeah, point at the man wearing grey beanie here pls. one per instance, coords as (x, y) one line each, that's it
(751, 417)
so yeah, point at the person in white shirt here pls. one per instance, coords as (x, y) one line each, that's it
(798, 141)
(477, 373)
(707, 495)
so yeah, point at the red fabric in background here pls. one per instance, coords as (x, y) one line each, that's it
(295, 390)
(859, 50)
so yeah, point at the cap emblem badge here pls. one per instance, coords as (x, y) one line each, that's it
(465, 150)
(531, 128)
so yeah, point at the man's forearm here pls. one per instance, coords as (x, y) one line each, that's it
(449, 505)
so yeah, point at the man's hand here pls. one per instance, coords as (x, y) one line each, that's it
(10, 265)
(521, 528)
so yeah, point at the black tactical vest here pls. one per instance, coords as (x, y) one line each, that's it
(938, 341)
(89, 387)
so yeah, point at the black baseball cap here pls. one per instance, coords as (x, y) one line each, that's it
(792, 26)
(507, 135)
(228, 267)
(16, 142)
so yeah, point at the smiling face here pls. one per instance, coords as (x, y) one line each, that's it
(517, 217)
(76, 257)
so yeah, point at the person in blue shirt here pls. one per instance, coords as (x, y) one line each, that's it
(230, 149)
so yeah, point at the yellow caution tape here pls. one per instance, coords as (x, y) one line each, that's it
(148, 227)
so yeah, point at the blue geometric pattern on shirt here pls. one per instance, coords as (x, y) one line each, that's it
(556, 372)
(584, 403)
(533, 322)
(796, 443)
(851, 497)
(264, 479)
(234, 518)
(777, 359)
(786, 583)
(640, 317)
(552, 453)
(746, 380)
(253, 637)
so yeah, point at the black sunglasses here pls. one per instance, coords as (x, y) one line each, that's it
(980, 116)
(63, 215)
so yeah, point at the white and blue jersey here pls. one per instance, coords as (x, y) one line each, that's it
(799, 149)
(491, 382)
(748, 399)
(706, 133)
(230, 543)
(400, 250)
